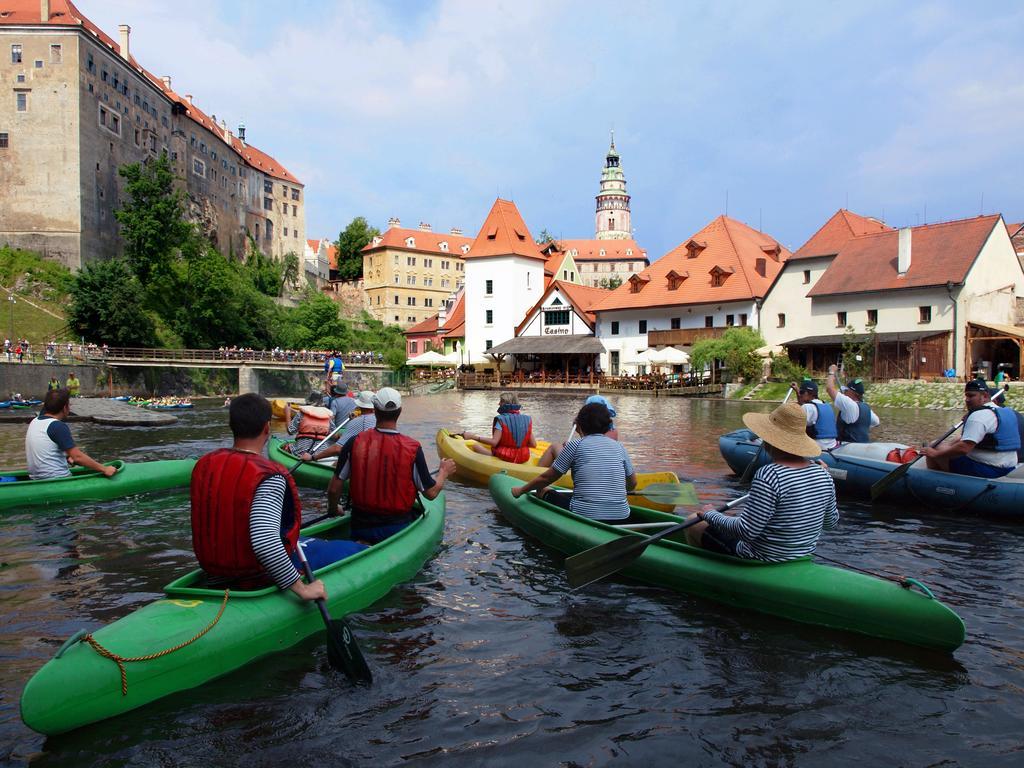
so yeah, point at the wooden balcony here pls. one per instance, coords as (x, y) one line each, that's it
(682, 336)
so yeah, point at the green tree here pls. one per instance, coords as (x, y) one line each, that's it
(350, 243)
(736, 348)
(858, 353)
(289, 271)
(153, 224)
(265, 274)
(544, 237)
(108, 306)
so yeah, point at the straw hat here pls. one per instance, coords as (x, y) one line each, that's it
(785, 428)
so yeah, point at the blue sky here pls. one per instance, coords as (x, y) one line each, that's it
(429, 110)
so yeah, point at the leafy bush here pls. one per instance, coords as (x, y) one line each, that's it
(785, 369)
(737, 348)
(108, 305)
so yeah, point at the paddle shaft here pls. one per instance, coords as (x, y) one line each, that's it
(882, 485)
(688, 523)
(320, 445)
(749, 471)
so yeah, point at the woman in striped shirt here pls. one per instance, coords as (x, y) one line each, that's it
(791, 499)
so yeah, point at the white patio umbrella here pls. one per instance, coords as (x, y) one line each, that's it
(428, 358)
(668, 356)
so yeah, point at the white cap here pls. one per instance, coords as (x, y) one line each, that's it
(387, 399)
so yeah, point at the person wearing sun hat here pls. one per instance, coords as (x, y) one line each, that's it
(791, 500)
(551, 452)
(990, 442)
(856, 418)
(386, 470)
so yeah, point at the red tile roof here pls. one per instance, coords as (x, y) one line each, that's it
(64, 13)
(425, 327)
(455, 324)
(1016, 232)
(614, 250)
(836, 231)
(731, 249)
(504, 233)
(428, 242)
(939, 253)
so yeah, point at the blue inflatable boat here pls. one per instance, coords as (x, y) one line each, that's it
(855, 467)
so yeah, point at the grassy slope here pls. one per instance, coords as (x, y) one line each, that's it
(26, 275)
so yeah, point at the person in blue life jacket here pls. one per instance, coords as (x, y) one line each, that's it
(511, 433)
(990, 443)
(821, 419)
(856, 419)
(334, 367)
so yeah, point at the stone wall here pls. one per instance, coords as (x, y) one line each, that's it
(30, 379)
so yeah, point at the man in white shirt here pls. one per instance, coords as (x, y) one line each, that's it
(855, 417)
(989, 441)
(49, 447)
(821, 419)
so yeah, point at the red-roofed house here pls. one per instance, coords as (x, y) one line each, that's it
(504, 278)
(927, 291)
(1016, 232)
(408, 273)
(712, 281)
(320, 258)
(601, 262)
(786, 311)
(443, 332)
(81, 107)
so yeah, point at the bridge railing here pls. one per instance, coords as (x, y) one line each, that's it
(284, 357)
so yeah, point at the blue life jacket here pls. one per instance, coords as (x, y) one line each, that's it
(825, 427)
(1009, 431)
(858, 432)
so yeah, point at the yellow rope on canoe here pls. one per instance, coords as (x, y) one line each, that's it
(122, 660)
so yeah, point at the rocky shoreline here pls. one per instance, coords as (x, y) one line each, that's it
(894, 394)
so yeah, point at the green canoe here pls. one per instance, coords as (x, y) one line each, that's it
(89, 485)
(309, 474)
(801, 590)
(78, 686)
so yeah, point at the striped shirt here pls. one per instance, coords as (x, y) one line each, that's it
(265, 531)
(357, 425)
(599, 468)
(784, 515)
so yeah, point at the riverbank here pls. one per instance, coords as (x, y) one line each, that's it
(896, 394)
(113, 413)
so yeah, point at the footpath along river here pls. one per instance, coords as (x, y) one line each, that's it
(487, 658)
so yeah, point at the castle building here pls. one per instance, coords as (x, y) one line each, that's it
(408, 273)
(80, 107)
(612, 221)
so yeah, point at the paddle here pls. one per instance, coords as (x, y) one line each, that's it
(342, 651)
(320, 445)
(749, 471)
(678, 494)
(881, 486)
(605, 559)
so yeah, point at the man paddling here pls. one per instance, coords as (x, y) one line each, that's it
(791, 499)
(246, 512)
(310, 425)
(821, 419)
(856, 418)
(49, 447)
(989, 443)
(385, 470)
(361, 420)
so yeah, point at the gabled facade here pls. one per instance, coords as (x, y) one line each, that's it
(80, 107)
(559, 265)
(565, 309)
(443, 332)
(602, 261)
(407, 273)
(712, 281)
(319, 258)
(504, 278)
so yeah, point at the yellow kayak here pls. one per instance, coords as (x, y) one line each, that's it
(278, 404)
(477, 468)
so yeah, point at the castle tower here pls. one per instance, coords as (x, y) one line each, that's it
(612, 219)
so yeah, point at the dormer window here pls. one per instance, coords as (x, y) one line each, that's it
(636, 283)
(492, 233)
(761, 266)
(675, 279)
(520, 235)
(601, 252)
(465, 249)
(443, 245)
(410, 242)
(719, 275)
(773, 250)
(629, 251)
(694, 248)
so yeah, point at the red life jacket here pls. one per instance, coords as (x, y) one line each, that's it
(380, 482)
(507, 450)
(315, 422)
(223, 485)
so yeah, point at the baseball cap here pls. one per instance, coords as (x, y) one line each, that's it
(387, 399)
(856, 385)
(364, 399)
(808, 385)
(601, 401)
(977, 385)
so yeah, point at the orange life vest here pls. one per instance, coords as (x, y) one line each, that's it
(315, 422)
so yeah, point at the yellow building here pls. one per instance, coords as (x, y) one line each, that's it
(408, 273)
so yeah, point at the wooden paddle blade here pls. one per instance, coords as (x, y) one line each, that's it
(603, 560)
(343, 653)
(679, 494)
(881, 486)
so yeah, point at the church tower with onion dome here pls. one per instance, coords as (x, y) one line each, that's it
(612, 219)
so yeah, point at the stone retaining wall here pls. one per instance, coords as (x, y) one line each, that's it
(30, 379)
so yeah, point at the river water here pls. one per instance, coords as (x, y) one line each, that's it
(487, 658)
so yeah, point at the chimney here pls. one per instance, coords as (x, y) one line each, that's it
(125, 31)
(456, 231)
(188, 98)
(903, 257)
(760, 266)
(44, 10)
(241, 131)
(167, 81)
(424, 227)
(394, 221)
